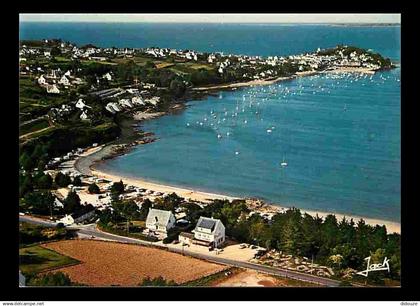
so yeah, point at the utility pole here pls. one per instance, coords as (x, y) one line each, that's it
(51, 211)
(312, 265)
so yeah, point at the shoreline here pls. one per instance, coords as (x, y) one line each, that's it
(262, 82)
(86, 164)
(90, 160)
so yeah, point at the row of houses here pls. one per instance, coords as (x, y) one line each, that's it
(207, 232)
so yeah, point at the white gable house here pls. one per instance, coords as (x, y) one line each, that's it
(42, 80)
(81, 104)
(209, 231)
(84, 116)
(64, 81)
(53, 89)
(107, 76)
(160, 220)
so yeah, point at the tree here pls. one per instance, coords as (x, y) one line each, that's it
(62, 180)
(51, 279)
(127, 209)
(71, 203)
(156, 282)
(93, 188)
(169, 202)
(26, 185)
(26, 162)
(77, 181)
(177, 87)
(44, 182)
(144, 210)
(39, 202)
(55, 51)
(117, 188)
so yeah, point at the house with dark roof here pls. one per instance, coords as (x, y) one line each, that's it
(160, 221)
(77, 217)
(209, 232)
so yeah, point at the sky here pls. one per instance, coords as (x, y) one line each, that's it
(216, 18)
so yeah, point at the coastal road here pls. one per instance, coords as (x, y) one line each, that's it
(91, 230)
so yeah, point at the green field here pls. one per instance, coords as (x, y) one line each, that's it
(33, 126)
(35, 99)
(37, 259)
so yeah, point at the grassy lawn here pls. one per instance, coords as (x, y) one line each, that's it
(38, 133)
(62, 59)
(35, 259)
(33, 126)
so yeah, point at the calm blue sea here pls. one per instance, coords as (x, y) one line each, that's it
(339, 134)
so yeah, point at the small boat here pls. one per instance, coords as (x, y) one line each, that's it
(269, 131)
(283, 163)
(219, 136)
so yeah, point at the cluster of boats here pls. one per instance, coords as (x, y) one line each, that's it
(227, 118)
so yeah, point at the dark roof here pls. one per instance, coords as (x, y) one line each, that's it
(207, 223)
(83, 211)
(185, 234)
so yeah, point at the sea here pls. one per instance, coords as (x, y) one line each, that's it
(329, 142)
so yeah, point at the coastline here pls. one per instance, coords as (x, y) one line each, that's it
(86, 165)
(275, 80)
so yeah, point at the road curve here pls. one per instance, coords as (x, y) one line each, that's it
(91, 230)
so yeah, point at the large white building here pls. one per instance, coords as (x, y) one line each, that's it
(160, 221)
(208, 232)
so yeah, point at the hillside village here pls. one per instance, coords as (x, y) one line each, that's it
(74, 100)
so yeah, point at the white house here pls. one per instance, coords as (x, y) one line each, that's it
(81, 104)
(64, 81)
(137, 100)
(42, 80)
(84, 116)
(125, 103)
(77, 217)
(112, 107)
(53, 89)
(209, 231)
(160, 220)
(57, 203)
(107, 76)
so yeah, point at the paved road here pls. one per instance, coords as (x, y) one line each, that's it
(91, 230)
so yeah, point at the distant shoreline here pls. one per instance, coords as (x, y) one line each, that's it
(89, 161)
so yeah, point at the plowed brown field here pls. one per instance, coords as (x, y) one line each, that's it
(109, 263)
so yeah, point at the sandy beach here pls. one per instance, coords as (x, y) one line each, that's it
(206, 197)
(243, 84)
(194, 195)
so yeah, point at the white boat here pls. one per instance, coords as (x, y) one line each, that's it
(283, 163)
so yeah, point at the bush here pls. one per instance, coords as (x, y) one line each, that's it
(51, 279)
(77, 181)
(62, 180)
(93, 188)
(156, 282)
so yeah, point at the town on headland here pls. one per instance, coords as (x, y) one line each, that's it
(81, 105)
